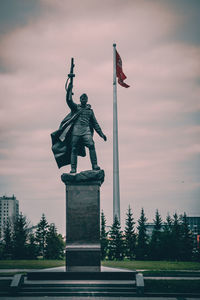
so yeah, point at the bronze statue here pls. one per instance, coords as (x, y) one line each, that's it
(76, 131)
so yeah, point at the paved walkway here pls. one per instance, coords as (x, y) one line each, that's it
(59, 269)
(96, 298)
(103, 269)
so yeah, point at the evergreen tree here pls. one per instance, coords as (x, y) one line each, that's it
(166, 240)
(168, 224)
(1, 249)
(116, 243)
(103, 237)
(155, 251)
(130, 236)
(196, 254)
(142, 238)
(186, 239)
(32, 247)
(20, 235)
(176, 238)
(41, 234)
(7, 244)
(54, 244)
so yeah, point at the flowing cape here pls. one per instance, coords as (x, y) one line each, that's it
(61, 140)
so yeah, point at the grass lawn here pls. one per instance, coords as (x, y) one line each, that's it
(153, 265)
(126, 264)
(30, 264)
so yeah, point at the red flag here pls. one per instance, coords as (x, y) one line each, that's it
(120, 74)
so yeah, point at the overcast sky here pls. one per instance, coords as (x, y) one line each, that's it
(159, 115)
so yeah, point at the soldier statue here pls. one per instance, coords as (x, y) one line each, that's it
(76, 131)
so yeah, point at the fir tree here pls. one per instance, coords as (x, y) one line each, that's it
(103, 237)
(142, 239)
(155, 243)
(7, 244)
(168, 224)
(186, 239)
(1, 249)
(54, 244)
(41, 234)
(32, 247)
(176, 238)
(116, 243)
(20, 237)
(130, 236)
(166, 240)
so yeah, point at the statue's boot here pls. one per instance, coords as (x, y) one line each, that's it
(73, 162)
(93, 159)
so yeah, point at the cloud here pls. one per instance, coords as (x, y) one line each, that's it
(17, 13)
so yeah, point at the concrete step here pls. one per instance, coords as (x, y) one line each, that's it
(81, 275)
(78, 288)
(86, 288)
(78, 293)
(109, 284)
(80, 283)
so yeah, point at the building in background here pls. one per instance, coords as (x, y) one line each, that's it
(9, 210)
(194, 224)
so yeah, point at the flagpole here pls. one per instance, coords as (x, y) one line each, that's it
(116, 193)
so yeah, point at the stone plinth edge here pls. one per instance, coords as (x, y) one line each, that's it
(89, 176)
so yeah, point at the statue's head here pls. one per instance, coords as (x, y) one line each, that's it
(84, 99)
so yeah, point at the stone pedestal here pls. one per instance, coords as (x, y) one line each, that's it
(83, 220)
